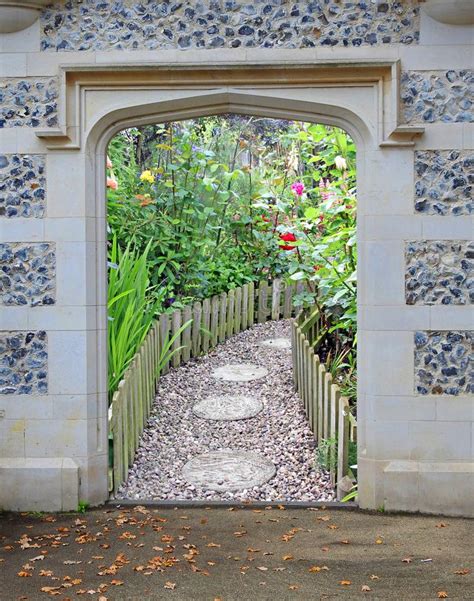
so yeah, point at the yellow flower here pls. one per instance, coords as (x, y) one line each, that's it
(147, 176)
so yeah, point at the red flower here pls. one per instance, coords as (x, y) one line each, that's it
(287, 237)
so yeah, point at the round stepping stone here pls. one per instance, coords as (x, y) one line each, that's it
(240, 372)
(228, 470)
(228, 407)
(279, 343)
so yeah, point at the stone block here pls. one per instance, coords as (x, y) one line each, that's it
(31, 484)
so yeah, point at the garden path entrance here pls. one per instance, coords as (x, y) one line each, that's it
(219, 432)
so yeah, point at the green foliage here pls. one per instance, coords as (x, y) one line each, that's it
(131, 304)
(216, 202)
(351, 495)
(326, 455)
(83, 506)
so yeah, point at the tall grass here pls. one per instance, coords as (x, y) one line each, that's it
(131, 307)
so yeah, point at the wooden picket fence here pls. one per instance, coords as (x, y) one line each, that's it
(327, 410)
(213, 321)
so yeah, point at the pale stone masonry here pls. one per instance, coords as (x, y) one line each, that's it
(399, 81)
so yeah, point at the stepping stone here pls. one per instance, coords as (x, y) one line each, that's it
(279, 343)
(240, 372)
(228, 407)
(228, 470)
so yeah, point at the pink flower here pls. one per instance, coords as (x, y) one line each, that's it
(112, 183)
(323, 189)
(109, 163)
(298, 188)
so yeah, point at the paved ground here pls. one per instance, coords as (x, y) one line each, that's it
(234, 555)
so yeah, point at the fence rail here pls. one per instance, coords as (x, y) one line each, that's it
(213, 321)
(327, 410)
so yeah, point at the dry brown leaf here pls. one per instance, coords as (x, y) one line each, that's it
(287, 557)
(441, 525)
(345, 582)
(345, 542)
(170, 585)
(314, 569)
(333, 527)
(379, 541)
(262, 568)
(45, 573)
(293, 587)
(463, 572)
(24, 574)
(374, 577)
(212, 545)
(102, 598)
(442, 595)
(365, 588)
(406, 560)
(116, 582)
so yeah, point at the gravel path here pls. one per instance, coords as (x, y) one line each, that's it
(280, 432)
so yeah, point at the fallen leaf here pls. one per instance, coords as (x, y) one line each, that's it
(116, 582)
(463, 572)
(170, 585)
(46, 573)
(279, 569)
(212, 545)
(293, 587)
(37, 558)
(442, 595)
(318, 569)
(344, 542)
(102, 598)
(70, 562)
(262, 568)
(345, 582)
(365, 588)
(374, 577)
(441, 525)
(24, 574)
(426, 560)
(406, 560)
(287, 557)
(333, 527)
(379, 541)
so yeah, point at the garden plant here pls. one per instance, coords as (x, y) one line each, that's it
(201, 206)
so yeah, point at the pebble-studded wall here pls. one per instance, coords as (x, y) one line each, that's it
(439, 272)
(23, 362)
(22, 185)
(147, 25)
(27, 273)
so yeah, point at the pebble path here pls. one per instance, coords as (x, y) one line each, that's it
(278, 436)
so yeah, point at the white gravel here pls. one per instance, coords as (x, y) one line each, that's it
(174, 434)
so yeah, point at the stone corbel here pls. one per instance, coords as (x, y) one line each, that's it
(16, 15)
(450, 12)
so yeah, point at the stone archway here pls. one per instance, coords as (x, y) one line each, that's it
(361, 97)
